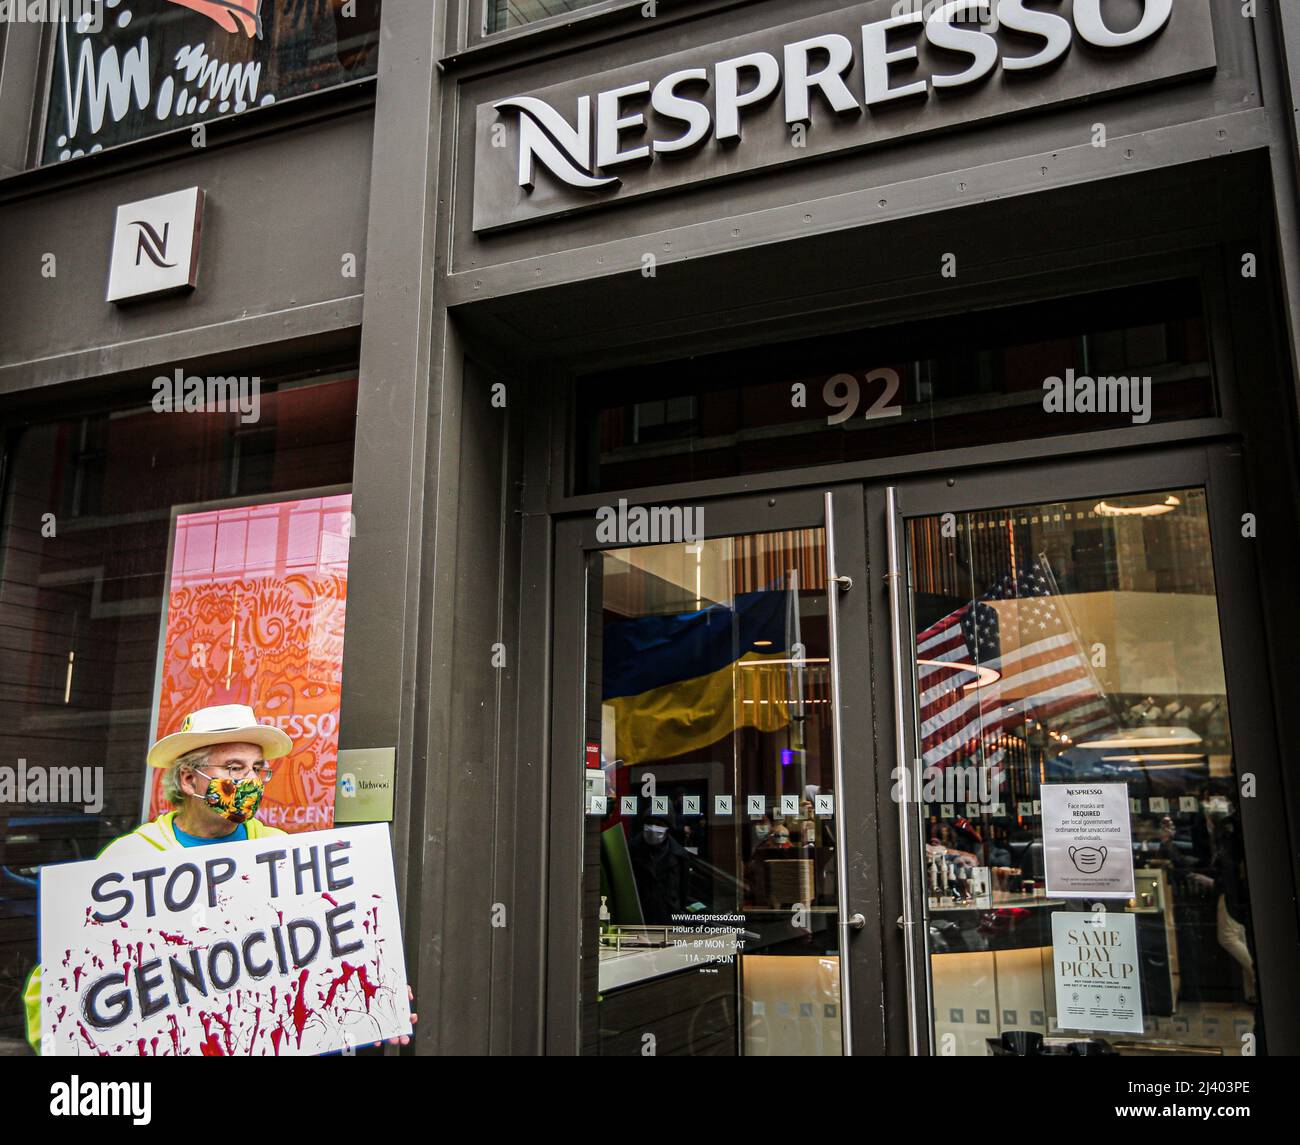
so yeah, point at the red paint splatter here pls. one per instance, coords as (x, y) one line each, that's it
(140, 1045)
(226, 1032)
(277, 1036)
(91, 1042)
(367, 988)
(329, 899)
(210, 1048)
(117, 950)
(174, 939)
(175, 1032)
(77, 972)
(300, 1010)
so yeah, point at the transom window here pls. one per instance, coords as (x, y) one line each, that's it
(505, 14)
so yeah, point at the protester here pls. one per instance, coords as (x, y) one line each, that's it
(215, 772)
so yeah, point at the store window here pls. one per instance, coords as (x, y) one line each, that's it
(964, 380)
(1081, 811)
(148, 66)
(152, 563)
(504, 14)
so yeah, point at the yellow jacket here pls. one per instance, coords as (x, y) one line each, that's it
(156, 835)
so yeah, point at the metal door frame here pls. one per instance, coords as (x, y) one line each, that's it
(1217, 468)
(575, 538)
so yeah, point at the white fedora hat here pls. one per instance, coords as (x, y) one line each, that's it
(227, 723)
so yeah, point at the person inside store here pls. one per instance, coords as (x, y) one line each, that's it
(1226, 880)
(663, 871)
(214, 773)
(774, 845)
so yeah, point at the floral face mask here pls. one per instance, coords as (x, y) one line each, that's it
(236, 800)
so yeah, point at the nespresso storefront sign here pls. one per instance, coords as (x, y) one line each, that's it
(844, 80)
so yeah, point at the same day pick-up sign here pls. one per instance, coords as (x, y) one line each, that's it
(273, 947)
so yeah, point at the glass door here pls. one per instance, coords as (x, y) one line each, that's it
(709, 920)
(1075, 825)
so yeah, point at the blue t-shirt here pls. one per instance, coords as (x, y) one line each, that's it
(240, 832)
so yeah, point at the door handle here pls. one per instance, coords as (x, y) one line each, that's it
(847, 923)
(903, 654)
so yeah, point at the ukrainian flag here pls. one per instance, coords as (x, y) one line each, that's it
(682, 682)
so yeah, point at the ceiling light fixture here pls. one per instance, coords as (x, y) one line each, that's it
(1106, 509)
(1141, 738)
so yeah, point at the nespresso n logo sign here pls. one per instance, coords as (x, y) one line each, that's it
(156, 246)
(152, 244)
(844, 80)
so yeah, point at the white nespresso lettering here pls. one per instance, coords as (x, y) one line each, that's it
(799, 81)
(692, 112)
(545, 135)
(610, 122)
(730, 99)
(943, 33)
(1088, 19)
(878, 58)
(1055, 31)
(820, 74)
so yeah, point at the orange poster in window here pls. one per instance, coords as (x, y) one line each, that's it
(255, 614)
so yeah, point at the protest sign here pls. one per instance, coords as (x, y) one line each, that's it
(290, 945)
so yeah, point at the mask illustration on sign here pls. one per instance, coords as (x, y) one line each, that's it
(237, 802)
(233, 17)
(582, 154)
(1088, 860)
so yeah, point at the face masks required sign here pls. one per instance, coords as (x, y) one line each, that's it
(1095, 965)
(1087, 841)
(275, 947)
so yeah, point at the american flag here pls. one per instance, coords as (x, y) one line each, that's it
(1017, 629)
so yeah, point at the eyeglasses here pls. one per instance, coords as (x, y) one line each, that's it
(238, 771)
